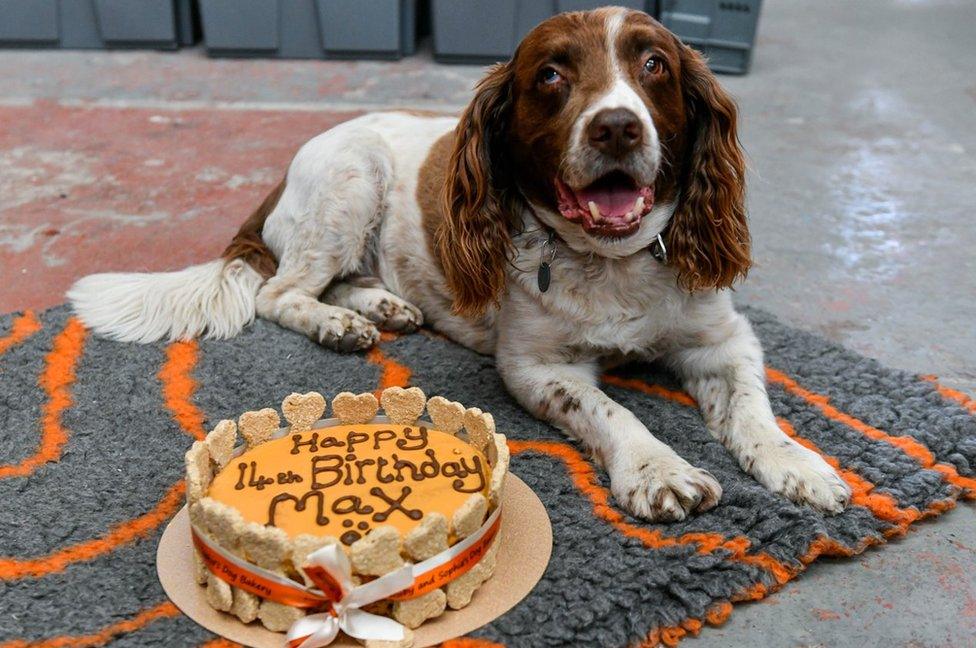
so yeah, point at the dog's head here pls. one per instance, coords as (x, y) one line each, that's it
(597, 117)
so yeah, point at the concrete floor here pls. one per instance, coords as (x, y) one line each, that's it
(860, 122)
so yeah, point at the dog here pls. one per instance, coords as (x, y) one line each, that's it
(588, 205)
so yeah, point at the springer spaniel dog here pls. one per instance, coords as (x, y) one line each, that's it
(588, 205)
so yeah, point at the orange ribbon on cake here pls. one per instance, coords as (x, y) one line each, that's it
(330, 570)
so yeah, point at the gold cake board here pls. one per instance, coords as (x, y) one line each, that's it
(526, 537)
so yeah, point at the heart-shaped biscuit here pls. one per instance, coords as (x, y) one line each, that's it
(352, 408)
(447, 416)
(221, 441)
(257, 427)
(403, 406)
(480, 426)
(301, 410)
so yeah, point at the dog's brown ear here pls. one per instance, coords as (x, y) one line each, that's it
(708, 239)
(473, 239)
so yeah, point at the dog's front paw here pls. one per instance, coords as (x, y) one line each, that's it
(801, 475)
(662, 487)
(347, 332)
(394, 314)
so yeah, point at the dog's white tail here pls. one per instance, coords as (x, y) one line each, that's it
(214, 300)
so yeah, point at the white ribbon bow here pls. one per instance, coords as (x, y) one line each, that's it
(321, 629)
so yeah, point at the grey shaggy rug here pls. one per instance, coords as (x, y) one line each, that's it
(92, 435)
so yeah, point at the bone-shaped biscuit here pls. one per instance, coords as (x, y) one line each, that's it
(245, 605)
(266, 546)
(499, 470)
(413, 612)
(223, 522)
(278, 617)
(406, 642)
(469, 516)
(199, 474)
(219, 594)
(427, 538)
(378, 553)
(302, 546)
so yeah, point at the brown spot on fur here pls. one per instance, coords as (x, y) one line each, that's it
(543, 407)
(430, 184)
(247, 244)
(571, 404)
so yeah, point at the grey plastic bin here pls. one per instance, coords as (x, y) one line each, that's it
(376, 29)
(723, 30)
(485, 31)
(96, 24)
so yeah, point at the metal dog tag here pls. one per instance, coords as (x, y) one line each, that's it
(543, 277)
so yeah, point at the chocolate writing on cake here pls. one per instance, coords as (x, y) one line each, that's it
(335, 461)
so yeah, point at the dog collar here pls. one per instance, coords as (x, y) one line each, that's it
(658, 250)
(547, 254)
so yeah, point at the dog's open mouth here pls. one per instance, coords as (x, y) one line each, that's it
(611, 206)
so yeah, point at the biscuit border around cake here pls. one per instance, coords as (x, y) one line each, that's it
(381, 550)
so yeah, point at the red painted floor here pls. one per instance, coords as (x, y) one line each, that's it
(86, 190)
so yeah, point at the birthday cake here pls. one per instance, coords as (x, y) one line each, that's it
(360, 523)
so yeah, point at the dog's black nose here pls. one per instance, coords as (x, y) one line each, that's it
(615, 131)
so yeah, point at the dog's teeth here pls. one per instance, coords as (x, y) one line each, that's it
(639, 205)
(595, 212)
(630, 217)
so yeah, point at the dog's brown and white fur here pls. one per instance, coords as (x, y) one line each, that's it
(393, 219)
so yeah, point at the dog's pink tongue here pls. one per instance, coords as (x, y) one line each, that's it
(612, 201)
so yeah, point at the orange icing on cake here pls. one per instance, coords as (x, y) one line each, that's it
(345, 480)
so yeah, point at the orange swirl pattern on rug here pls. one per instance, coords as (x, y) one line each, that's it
(55, 380)
(120, 534)
(162, 611)
(220, 642)
(955, 395)
(392, 373)
(22, 328)
(176, 376)
(179, 387)
(909, 445)
(882, 505)
(584, 478)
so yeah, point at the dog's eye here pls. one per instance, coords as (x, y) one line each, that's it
(550, 76)
(654, 65)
